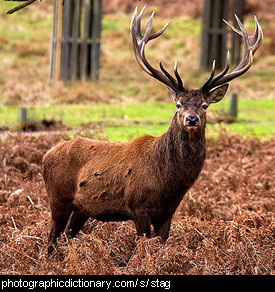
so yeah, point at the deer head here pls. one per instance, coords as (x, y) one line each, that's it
(191, 104)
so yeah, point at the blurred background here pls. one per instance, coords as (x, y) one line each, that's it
(120, 97)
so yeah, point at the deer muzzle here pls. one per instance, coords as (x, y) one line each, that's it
(191, 125)
(192, 121)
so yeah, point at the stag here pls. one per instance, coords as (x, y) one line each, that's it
(143, 180)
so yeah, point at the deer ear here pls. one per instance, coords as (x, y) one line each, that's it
(173, 94)
(217, 94)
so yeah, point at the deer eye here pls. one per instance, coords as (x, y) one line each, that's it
(178, 105)
(205, 106)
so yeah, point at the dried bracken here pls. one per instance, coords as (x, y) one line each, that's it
(224, 225)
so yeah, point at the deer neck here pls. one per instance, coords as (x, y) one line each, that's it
(179, 156)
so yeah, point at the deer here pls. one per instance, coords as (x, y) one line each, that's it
(145, 179)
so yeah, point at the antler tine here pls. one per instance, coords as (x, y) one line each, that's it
(177, 75)
(139, 22)
(206, 84)
(156, 34)
(247, 45)
(132, 20)
(235, 73)
(225, 70)
(170, 77)
(139, 42)
(148, 28)
(255, 40)
(258, 35)
(233, 27)
(213, 79)
(137, 38)
(251, 44)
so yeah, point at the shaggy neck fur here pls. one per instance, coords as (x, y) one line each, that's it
(180, 158)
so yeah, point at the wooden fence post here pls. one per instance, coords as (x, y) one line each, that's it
(214, 38)
(233, 105)
(22, 115)
(214, 33)
(75, 53)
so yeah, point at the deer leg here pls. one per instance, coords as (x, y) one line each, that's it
(75, 223)
(142, 222)
(60, 216)
(58, 225)
(162, 229)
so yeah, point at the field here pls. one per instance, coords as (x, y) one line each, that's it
(224, 225)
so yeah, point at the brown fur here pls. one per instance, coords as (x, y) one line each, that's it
(143, 180)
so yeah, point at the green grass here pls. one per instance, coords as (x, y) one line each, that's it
(106, 115)
(123, 122)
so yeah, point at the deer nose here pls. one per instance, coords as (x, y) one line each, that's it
(192, 120)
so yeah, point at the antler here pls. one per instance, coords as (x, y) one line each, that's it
(251, 44)
(139, 42)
